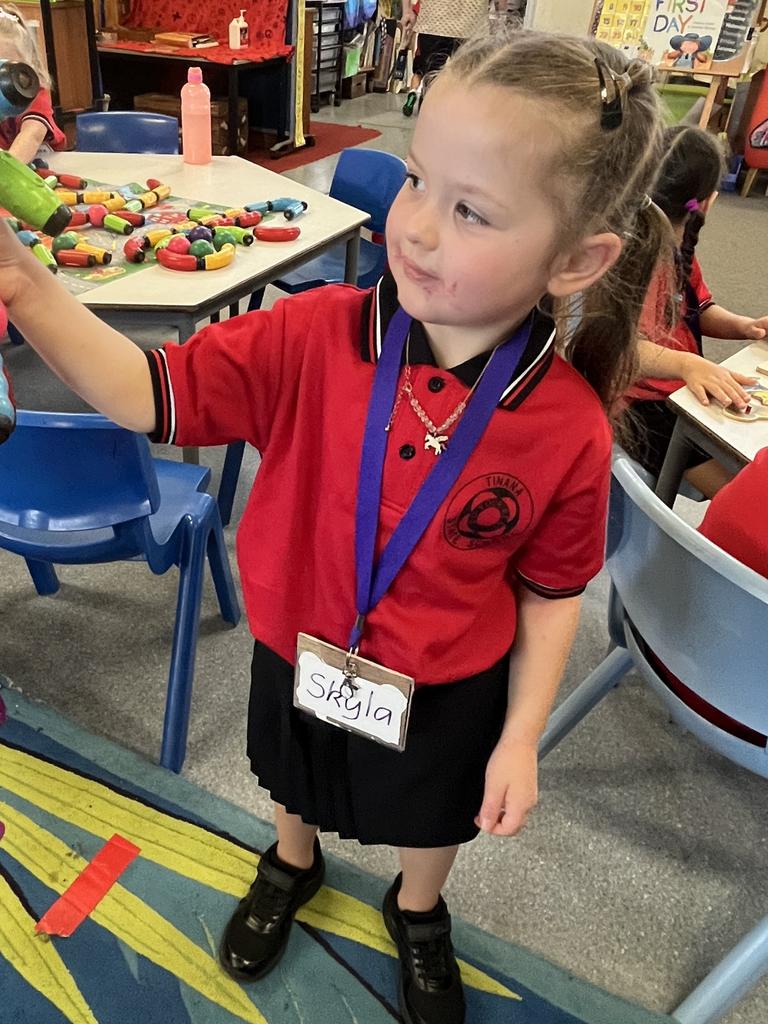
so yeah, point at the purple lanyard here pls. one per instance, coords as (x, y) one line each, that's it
(373, 581)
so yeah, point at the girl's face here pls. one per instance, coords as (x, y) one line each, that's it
(472, 235)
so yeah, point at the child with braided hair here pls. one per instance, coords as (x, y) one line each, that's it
(670, 348)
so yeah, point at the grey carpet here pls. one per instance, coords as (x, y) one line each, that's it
(646, 859)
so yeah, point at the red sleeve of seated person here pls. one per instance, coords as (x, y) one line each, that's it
(41, 109)
(736, 519)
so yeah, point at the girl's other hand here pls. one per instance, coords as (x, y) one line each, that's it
(709, 380)
(12, 259)
(511, 788)
(754, 330)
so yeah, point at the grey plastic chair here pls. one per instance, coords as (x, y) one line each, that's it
(693, 622)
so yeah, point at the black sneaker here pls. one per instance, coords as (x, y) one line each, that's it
(257, 933)
(430, 986)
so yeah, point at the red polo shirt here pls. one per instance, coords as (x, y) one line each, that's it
(295, 382)
(653, 320)
(40, 109)
(736, 520)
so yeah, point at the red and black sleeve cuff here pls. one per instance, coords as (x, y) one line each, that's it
(553, 593)
(162, 390)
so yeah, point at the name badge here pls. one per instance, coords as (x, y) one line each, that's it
(351, 692)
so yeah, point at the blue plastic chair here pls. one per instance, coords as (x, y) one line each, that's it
(77, 489)
(126, 131)
(691, 620)
(369, 180)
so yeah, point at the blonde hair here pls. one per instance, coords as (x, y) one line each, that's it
(609, 132)
(14, 32)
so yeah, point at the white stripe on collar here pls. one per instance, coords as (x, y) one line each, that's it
(544, 349)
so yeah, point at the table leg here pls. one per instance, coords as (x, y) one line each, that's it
(186, 329)
(233, 109)
(675, 464)
(352, 258)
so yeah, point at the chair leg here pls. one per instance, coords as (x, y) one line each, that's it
(43, 576)
(589, 693)
(182, 670)
(222, 575)
(749, 181)
(733, 977)
(256, 300)
(229, 477)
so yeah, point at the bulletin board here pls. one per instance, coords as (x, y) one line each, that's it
(710, 37)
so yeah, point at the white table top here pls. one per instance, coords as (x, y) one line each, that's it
(743, 439)
(226, 181)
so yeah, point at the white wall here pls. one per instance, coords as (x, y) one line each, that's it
(561, 15)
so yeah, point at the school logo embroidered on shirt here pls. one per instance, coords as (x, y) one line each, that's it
(486, 510)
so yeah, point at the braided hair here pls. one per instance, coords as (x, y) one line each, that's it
(690, 172)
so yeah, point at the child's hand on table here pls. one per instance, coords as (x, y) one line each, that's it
(709, 380)
(755, 330)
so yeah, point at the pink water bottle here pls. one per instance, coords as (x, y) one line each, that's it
(196, 119)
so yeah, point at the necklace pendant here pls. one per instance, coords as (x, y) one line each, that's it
(434, 442)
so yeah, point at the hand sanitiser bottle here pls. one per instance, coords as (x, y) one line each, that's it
(238, 32)
(196, 119)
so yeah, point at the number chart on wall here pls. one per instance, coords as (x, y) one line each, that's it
(712, 37)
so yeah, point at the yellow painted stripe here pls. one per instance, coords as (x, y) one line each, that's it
(37, 961)
(335, 912)
(126, 916)
(190, 850)
(187, 849)
(298, 57)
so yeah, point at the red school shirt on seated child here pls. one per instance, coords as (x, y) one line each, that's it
(736, 519)
(40, 109)
(528, 509)
(680, 337)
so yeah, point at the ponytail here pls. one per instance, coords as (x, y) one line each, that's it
(602, 345)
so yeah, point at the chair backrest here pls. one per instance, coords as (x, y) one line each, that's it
(127, 131)
(74, 471)
(701, 612)
(368, 180)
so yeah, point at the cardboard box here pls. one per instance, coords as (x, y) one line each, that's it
(136, 35)
(354, 86)
(162, 103)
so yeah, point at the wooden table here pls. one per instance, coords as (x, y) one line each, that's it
(157, 297)
(118, 63)
(707, 427)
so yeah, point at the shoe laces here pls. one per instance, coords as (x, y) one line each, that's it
(267, 903)
(433, 959)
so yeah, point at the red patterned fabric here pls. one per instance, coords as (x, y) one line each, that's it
(215, 54)
(266, 23)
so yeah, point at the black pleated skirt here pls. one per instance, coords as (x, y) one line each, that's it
(425, 796)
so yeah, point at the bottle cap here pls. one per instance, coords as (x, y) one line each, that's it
(242, 12)
(195, 75)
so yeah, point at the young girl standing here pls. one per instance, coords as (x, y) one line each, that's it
(23, 136)
(679, 309)
(434, 478)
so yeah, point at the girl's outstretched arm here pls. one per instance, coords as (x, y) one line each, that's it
(31, 136)
(104, 367)
(717, 322)
(545, 632)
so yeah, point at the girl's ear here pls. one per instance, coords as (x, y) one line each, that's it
(707, 204)
(578, 269)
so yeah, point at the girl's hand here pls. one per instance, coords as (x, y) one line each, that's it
(707, 379)
(754, 330)
(511, 788)
(408, 20)
(12, 260)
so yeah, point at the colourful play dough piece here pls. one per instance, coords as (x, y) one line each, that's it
(201, 248)
(200, 232)
(177, 243)
(223, 237)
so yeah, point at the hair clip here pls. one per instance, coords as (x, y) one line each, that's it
(693, 206)
(645, 202)
(612, 113)
(10, 15)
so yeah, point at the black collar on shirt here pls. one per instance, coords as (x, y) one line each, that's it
(535, 362)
